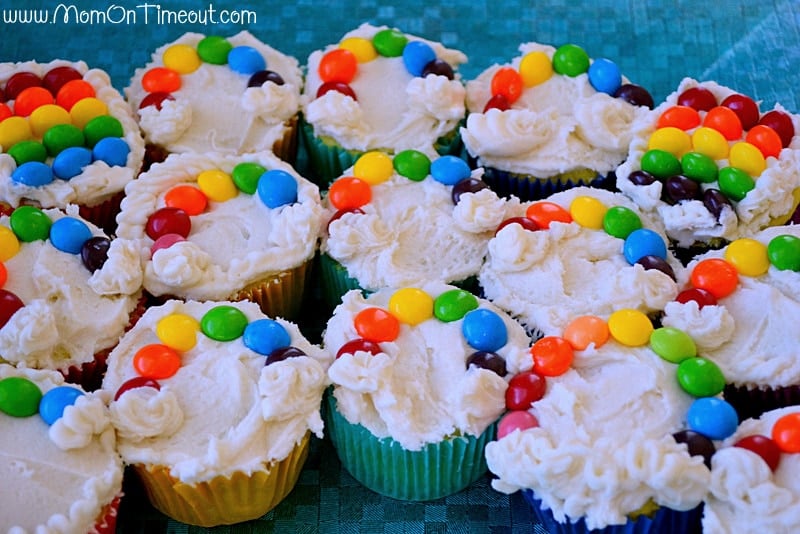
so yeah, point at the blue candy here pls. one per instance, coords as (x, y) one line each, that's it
(449, 170)
(53, 403)
(277, 188)
(33, 173)
(246, 60)
(712, 417)
(604, 75)
(484, 330)
(112, 150)
(417, 54)
(71, 161)
(69, 234)
(264, 336)
(643, 242)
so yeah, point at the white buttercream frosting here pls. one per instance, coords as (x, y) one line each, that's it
(223, 411)
(418, 390)
(232, 243)
(214, 110)
(393, 110)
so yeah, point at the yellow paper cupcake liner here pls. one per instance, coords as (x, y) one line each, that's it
(278, 294)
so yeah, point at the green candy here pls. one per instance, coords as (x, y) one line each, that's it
(620, 221)
(19, 397)
(660, 163)
(223, 323)
(699, 167)
(26, 151)
(245, 176)
(672, 344)
(412, 164)
(101, 127)
(700, 377)
(30, 224)
(783, 252)
(453, 305)
(62, 136)
(214, 49)
(389, 43)
(735, 183)
(570, 60)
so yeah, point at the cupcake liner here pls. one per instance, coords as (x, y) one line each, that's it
(104, 214)
(527, 187)
(278, 294)
(334, 280)
(752, 402)
(793, 215)
(384, 466)
(107, 522)
(286, 147)
(223, 500)
(665, 521)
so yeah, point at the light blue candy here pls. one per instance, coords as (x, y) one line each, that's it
(604, 75)
(265, 336)
(417, 54)
(246, 60)
(53, 403)
(713, 417)
(69, 234)
(277, 188)
(484, 330)
(449, 170)
(33, 173)
(71, 161)
(643, 242)
(112, 150)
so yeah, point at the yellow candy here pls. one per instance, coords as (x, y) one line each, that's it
(671, 139)
(13, 130)
(373, 168)
(748, 256)
(178, 331)
(217, 185)
(748, 158)
(535, 68)
(360, 47)
(588, 212)
(630, 327)
(411, 305)
(710, 142)
(9, 244)
(46, 116)
(181, 58)
(86, 109)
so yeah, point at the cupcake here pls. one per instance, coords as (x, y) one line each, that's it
(67, 291)
(741, 305)
(550, 120)
(580, 251)
(224, 226)
(216, 94)
(66, 137)
(61, 470)
(417, 385)
(380, 89)
(713, 165)
(753, 480)
(404, 220)
(214, 404)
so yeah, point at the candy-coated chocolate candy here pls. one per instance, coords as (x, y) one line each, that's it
(782, 124)
(449, 170)
(678, 188)
(26, 151)
(630, 327)
(620, 221)
(261, 77)
(513, 421)
(766, 140)
(508, 83)
(246, 60)
(47, 115)
(168, 221)
(748, 158)
(412, 164)
(339, 87)
(349, 193)
(55, 78)
(786, 432)
(31, 99)
(670, 139)
(68, 234)
(660, 163)
(71, 161)
(488, 360)
(643, 242)
(524, 389)
(699, 167)
(214, 49)
(716, 276)
(161, 80)
(635, 95)
(701, 296)
(784, 252)
(340, 213)
(698, 445)
(374, 168)
(358, 345)
(14, 130)
(552, 356)
(283, 353)
(30, 224)
(700, 377)
(165, 241)
(454, 304)
(155, 99)
(19, 397)
(5, 208)
(749, 256)
(9, 243)
(744, 107)
(411, 305)
(277, 188)
(725, 121)
(763, 446)
(156, 361)
(698, 98)
(94, 252)
(338, 65)
(499, 102)
(682, 117)
(187, 198)
(217, 185)
(570, 60)
(672, 344)
(470, 185)
(376, 325)
(362, 48)
(54, 402)
(178, 331)
(484, 330)
(710, 142)
(265, 336)
(715, 201)
(640, 177)
(735, 183)
(101, 127)
(137, 382)
(651, 262)
(389, 42)
(545, 213)
(586, 330)
(3, 274)
(223, 323)
(5, 112)
(73, 92)
(535, 68)
(9, 304)
(62, 136)
(181, 58)
(87, 109)
(589, 212)
(246, 174)
(111, 150)
(525, 222)
(439, 67)
(20, 81)
(712, 417)
(417, 54)
(605, 76)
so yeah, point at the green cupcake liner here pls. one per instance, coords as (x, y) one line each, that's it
(334, 280)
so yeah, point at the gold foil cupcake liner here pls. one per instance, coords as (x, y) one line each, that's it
(278, 294)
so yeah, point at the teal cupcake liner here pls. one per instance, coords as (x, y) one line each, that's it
(334, 281)
(385, 467)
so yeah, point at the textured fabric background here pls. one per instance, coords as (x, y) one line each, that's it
(753, 47)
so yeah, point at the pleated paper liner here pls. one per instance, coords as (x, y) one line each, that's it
(107, 522)
(526, 187)
(750, 402)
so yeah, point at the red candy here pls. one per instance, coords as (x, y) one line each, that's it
(700, 296)
(508, 83)
(376, 325)
(786, 432)
(5, 112)
(155, 99)
(9, 304)
(338, 87)
(168, 221)
(698, 98)
(72, 92)
(349, 193)
(716, 276)
(339, 213)
(682, 117)
(764, 447)
(358, 345)
(766, 140)
(725, 121)
(524, 389)
(156, 361)
(3, 274)
(552, 356)
(56, 77)
(136, 382)
(338, 65)
(19, 82)
(30, 99)
(497, 102)
(782, 124)
(161, 80)
(525, 222)
(165, 241)
(188, 198)
(544, 213)
(745, 108)
(516, 420)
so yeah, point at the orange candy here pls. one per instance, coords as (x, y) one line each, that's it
(3, 274)
(682, 117)
(72, 92)
(349, 193)
(544, 213)
(585, 330)
(5, 112)
(552, 356)
(338, 65)
(377, 325)
(716, 276)
(508, 83)
(30, 99)
(786, 432)
(724, 120)
(156, 361)
(161, 80)
(188, 198)
(766, 140)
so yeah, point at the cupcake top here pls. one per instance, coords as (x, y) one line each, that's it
(551, 111)
(580, 251)
(421, 364)
(67, 290)
(404, 220)
(379, 88)
(211, 93)
(66, 135)
(754, 484)
(713, 165)
(213, 388)
(208, 225)
(754, 344)
(60, 466)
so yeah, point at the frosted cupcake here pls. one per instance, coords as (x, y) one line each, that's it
(67, 136)
(61, 470)
(219, 227)
(218, 94)
(68, 292)
(550, 119)
(407, 219)
(380, 89)
(713, 165)
(580, 251)
(418, 383)
(214, 404)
